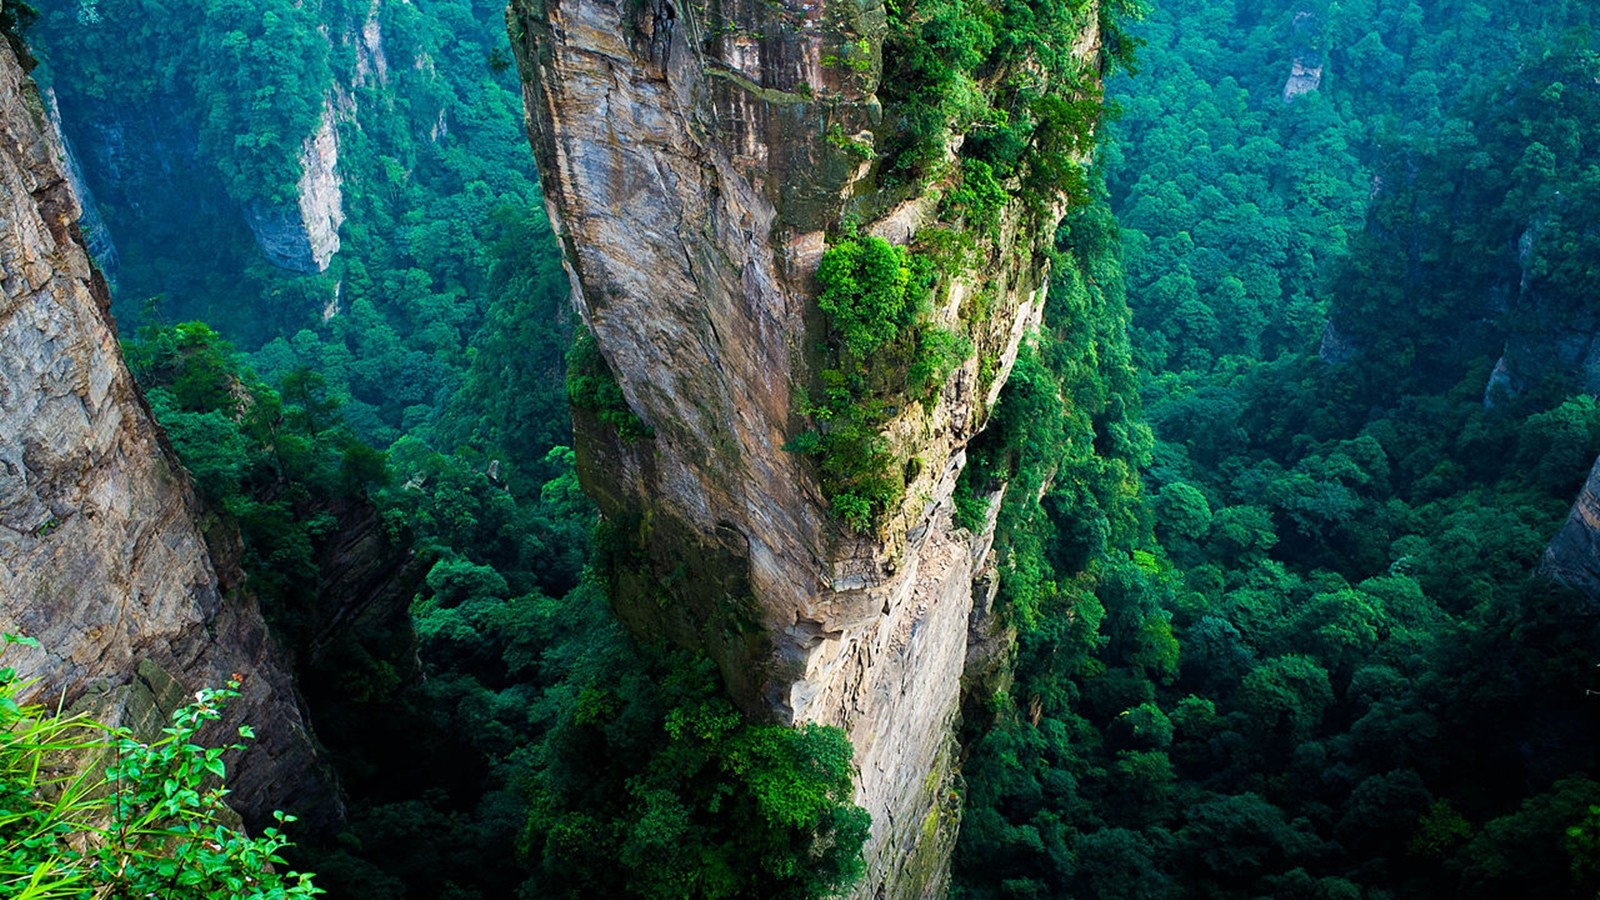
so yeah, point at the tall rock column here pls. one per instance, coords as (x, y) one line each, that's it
(102, 557)
(698, 156)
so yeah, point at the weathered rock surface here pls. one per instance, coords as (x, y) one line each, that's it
(96, 236)
(157, 187)
(1551, 333)
(1573, 557)
(102, 556)
(303, 235)
(685, 158)
(1305, 72)
(1334, 347)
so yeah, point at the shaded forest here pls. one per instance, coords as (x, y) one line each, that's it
(1311, 658)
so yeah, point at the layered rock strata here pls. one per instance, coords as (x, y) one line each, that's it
(695, 158)
(102, 553)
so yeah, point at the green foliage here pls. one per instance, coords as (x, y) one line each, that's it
(882, 353)
(1273, 701)
(150, 824)
(592, 386)
(864, 287)
(1004, 76)
(939, 353)
(1329, 683)
(272, 459)
(653, 785)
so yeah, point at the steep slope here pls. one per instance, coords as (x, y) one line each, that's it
(699, 162)
(102, 551)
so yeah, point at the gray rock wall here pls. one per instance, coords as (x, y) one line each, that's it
(1573, 557)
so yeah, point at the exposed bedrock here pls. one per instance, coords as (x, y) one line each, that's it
(103, 556)
(685, 154)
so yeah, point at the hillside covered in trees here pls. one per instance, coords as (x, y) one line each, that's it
(1311, 395)
(1313, 657)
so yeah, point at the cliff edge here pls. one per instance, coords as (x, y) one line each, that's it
(102, 553)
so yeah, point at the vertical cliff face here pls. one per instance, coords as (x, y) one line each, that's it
(170, 159)
(302, 234)
(1553, 331)
(1305, 72)
(102, 556)
(696, 157)
(1573, 557)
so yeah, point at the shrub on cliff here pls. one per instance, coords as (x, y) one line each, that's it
(883, 353)
(650, 783)
(90, 811)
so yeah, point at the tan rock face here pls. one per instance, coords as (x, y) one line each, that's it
(102, 557)
(321, 189)
(685, 155)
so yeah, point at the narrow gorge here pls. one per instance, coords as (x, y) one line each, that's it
(717, 449)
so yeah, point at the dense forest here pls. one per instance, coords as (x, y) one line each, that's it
(1283, 460)
(1312, 657)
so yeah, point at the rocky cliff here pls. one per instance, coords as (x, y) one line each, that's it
(1553, 331)
(102, 553)
(302, 234)
(1305, 71)
(698, 159)
(179, 160)
(1573, 557)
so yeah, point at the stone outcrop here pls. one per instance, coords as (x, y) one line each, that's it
(1305, 71)
(372, 63)
(1573, 557)
(103, 558)
(1552, 333)
(694, 159)
(1334, 347)
(158, 188)
(303, 235)
(96, 236)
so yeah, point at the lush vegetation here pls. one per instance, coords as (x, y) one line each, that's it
(88, 811)
(1010, 88)
(1312, 656)
(1278, 627)
(506, 733)
(882, 354)
(546, 738)
(1005, 76)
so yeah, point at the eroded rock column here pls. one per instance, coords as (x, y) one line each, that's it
(695, 158)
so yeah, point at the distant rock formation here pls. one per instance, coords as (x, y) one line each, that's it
(1305, 73)
(1552, 333)
(1573, 557)
(303, 234)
